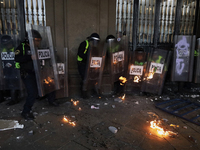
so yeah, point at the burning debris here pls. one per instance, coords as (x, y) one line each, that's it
(75, 103)
(123, 97)
(72, 123)
(157, 125)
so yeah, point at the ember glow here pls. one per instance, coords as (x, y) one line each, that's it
(65, 119)
(74, 102)
(137, 79)
(123, 80)
(156, 125)
(123, 97)
(150, 75)
(48, 80)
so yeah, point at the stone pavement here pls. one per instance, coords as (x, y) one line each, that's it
(131, 117)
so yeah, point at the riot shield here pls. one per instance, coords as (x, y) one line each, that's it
(94, 66)
(157, 67)
(10, 76)
(44, 60)
(117, 58)
(197, 62)
(183, 58)
(136, 69)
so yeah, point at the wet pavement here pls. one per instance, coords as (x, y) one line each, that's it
(92, 117)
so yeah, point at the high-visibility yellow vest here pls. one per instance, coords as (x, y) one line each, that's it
(86, 48)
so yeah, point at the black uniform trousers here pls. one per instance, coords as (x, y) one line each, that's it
(29, 80)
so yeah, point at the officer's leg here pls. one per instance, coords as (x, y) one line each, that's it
(51, 98)
(32, 92)
(1, 96)
(81, 70)
(14, 97)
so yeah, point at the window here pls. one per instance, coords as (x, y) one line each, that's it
(146, 18)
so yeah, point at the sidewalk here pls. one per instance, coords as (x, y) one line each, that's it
(131, 117)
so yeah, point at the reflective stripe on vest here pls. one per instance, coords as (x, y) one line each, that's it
(139, 63)
(196, 53)
(86, 48)
(5, 50)
(17, 64)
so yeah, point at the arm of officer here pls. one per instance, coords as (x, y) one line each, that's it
(81, 49)
(20, 57)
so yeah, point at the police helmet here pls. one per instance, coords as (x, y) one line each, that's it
(36, 34)
(6, 39)
(110, 38)
(94, 36)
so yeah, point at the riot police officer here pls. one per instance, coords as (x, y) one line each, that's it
(82, 56)
(24, 61)
(8, 64)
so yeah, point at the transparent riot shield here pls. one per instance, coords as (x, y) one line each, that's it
(117, 55)
(94, 66)
(197, 62)
(44, 60)
(136, 69)
(157, 67)
(10, 76)
(183, 58)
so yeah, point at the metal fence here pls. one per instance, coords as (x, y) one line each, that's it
(10, 17)
(146, 18)
(35, 12)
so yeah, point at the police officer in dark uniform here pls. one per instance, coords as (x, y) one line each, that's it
(24, 62)
(8, 69)
(82, 56)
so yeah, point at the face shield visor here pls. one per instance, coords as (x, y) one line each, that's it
(95, 41)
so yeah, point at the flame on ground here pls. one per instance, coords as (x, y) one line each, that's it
(123, 97)
(65, 119)
(156, 125)
(74, 102)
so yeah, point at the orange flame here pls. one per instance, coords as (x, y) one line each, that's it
(45, 81)
(74, 102)
(156, 125)
(150, 75)
(123, 97)
(65, 119)
(48, 80)
(123, 80)
(137, 79)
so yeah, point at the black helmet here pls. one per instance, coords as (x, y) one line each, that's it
(6, 39)
(110, 37)
(94, 36)
(36, 34)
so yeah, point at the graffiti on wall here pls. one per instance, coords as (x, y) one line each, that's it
(182, 51)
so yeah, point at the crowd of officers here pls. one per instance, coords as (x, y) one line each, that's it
(24, 62)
